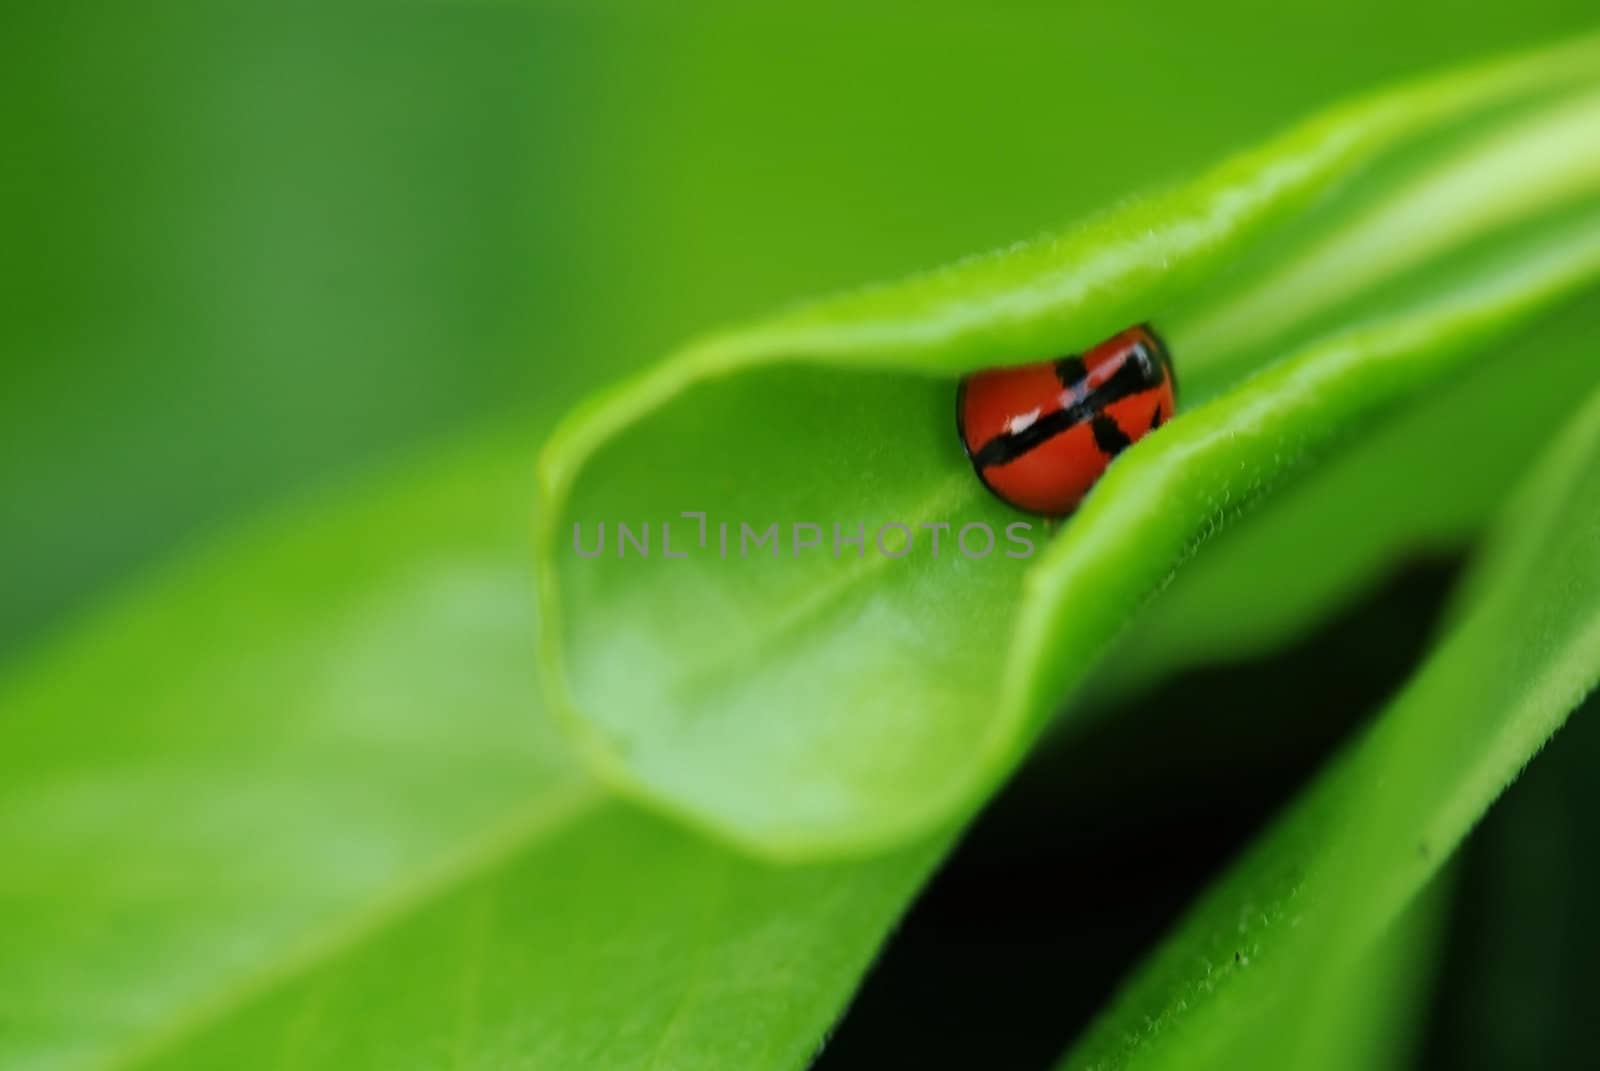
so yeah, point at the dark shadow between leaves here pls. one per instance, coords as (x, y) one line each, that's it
(1093, 850)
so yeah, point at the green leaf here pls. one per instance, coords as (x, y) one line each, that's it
(838, 701)
(1262, 971)
(1379, 1022)
(1256, 587)
(346, 835)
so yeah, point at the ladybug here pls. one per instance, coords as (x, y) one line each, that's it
(1040, 435)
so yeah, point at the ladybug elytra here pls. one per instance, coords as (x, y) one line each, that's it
(1040, 435)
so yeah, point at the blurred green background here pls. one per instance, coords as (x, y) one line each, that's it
(253, 251)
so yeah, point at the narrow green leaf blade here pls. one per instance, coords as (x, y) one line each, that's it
(1258, 974)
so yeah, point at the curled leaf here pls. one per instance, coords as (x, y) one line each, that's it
(793, 664)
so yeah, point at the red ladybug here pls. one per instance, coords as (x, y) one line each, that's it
(1040, 435)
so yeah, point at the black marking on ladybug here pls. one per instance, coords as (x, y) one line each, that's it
(1070, 371)
(1155, 419)
(1129, 379)
(1108, 435)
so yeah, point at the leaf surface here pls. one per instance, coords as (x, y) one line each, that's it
(347, 835)
(779, 691)
(1262, 972)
